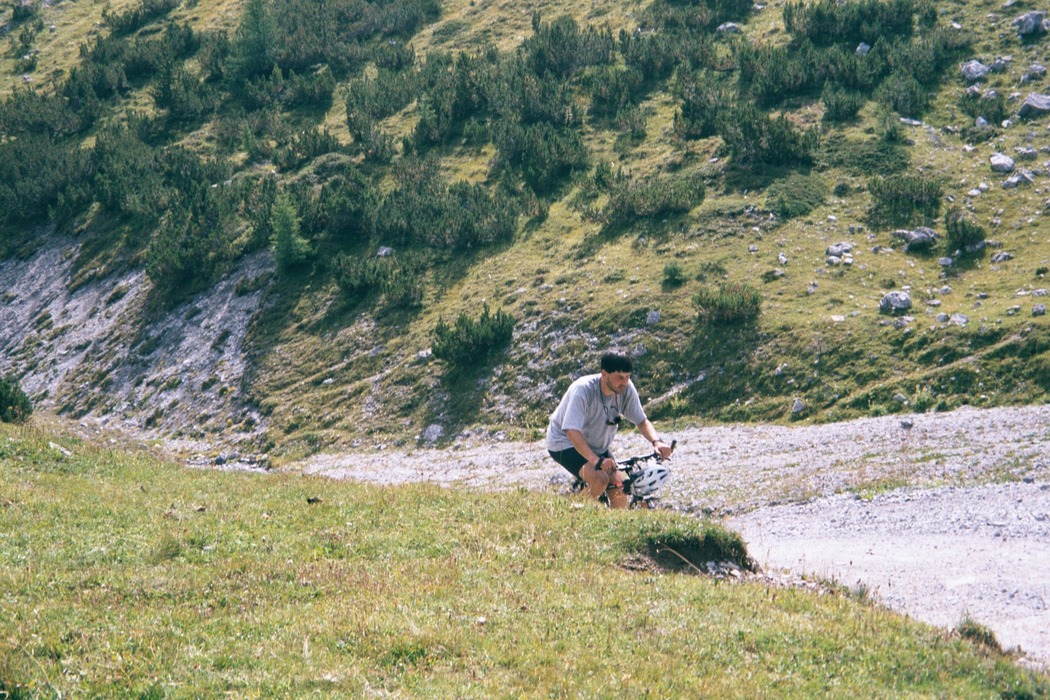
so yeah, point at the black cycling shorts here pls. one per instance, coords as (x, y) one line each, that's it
(572, 460)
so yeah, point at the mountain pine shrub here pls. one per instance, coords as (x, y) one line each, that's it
(470, 341)
(796, 195)
(904, 200)
(829, 22)
(653, 198)
(754, 137)
(15, 406)
(703, 103)
(904, 94)
(727, 304)
(841, 105)
(989, 105)
(962, 233)
(398, 279)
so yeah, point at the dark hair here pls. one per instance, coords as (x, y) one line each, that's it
(616, 362)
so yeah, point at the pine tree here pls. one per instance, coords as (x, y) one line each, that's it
(255, 44)
(289, 246)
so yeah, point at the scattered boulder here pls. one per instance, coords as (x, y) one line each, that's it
(1039, 310)
(798, 406)
(433, 433)
(1036, 71)
(838, 250)
(1002, 256)
(974, 70)
(1031, 24)
(895, 303)
(729, 28)
(863, 49)
(921, 238)
(384, 251)
(1001, 64)
(839, 254)
(1026, 152)
(1024, 177)
(1034, 106)
(1002, 163)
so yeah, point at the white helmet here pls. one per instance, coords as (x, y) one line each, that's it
(649, 481)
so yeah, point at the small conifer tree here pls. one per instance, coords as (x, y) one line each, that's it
(289, 247)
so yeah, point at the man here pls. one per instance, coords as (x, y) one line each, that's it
(583, 426)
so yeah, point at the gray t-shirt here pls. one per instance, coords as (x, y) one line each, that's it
(586, 409)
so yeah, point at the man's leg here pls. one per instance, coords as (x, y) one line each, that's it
(573, 462)
(597, 480)
(617, 498)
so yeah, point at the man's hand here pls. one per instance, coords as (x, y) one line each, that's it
(663, 449)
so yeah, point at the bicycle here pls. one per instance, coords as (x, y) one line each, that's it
(641, 482)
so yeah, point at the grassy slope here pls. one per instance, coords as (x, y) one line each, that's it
(124, 576)
(574, 291)
(562, 274)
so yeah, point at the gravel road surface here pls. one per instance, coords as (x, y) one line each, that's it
(939, 516)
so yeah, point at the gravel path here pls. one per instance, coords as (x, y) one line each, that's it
(939, 516)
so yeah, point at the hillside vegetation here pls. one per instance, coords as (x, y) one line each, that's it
(466, 202)
(128, 577)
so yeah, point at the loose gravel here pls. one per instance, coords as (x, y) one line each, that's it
(940, 516)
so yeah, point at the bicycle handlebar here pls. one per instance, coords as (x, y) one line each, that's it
(631, 461)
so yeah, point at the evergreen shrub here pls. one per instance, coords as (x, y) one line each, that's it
(962, 233)
(990, 105)
(904, 94)
(904, 200)
(139, 16)
(469, 340)
(841, 105)
(797, 195)
(829, 22)
(15, 406)
(727, 304)
(656, 197)
(752, 137)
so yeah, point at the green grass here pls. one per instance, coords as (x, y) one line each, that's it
(122, 576)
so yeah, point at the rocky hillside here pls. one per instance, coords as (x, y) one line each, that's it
(786, 214)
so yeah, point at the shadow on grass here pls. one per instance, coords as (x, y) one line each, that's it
(685, 555)
(465, 389)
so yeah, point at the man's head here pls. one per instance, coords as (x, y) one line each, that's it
(616, 372)
(617, 362)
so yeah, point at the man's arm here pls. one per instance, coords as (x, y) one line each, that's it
(648, 431)
(578, 441)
